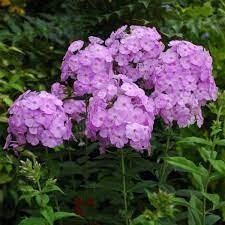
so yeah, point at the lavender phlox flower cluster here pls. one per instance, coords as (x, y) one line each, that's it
(124, 82)
(135, 51)
(90, 68)
(75, 109)
(125, 119)
(183, 82)
(38, 117)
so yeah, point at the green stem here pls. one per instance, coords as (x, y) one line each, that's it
(162, 178)
(73, 178)
(210, 168)
(39, 186)
(86, 113)
(57, 208)
(124, 187)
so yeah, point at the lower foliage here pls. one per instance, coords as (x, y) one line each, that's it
(180, 183)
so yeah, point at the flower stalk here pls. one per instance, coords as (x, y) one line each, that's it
(124, 188)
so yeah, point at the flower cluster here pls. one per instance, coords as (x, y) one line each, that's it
(122, 84)
(38, 117)
(183, 83)
(91, 68)
(135, 52)
(125, 119)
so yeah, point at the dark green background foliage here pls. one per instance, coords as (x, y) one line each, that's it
(181, 182)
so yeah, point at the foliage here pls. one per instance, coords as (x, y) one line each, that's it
(39, 194)
(164, 210)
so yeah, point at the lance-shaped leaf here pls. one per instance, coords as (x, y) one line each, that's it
(33, 221)
(196, 140)
(184, 164)
(62, 215)
(218, 165)
(220, 142)
(214, 198)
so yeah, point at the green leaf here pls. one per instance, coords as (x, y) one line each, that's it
(206, 154)
(16, 86)
(145, 3)
(33, 221)
(5, 178)
(215, 176)
(195, 140)
(139, 187)
(220, 142)
(62, 215)
(195, 211)
(14, 26)
(212, 219)
(207, 9)
(48, 214)
(214, 198)
(191, 218)
(181, 202)
(28, 193)
(198, 181)
(142, 220)
(218, 165)
(7, 100)
(3, 119)
(42, 200)
(16, 49)
(216, 128)
(199, 11)
(50, 186)
(184, 164)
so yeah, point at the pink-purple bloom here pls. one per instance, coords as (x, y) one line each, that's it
(90, 68)
(135, 50)
(38, 117)
(126, 118)
(183, 83)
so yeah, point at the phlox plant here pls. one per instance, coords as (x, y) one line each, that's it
(117, 88)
